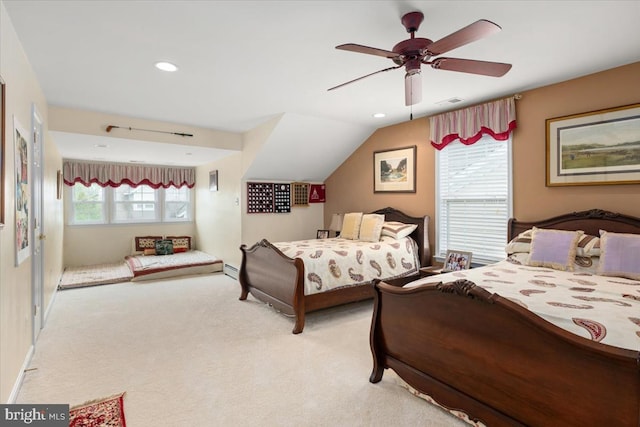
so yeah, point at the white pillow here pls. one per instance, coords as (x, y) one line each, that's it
(397, 230)
(371, 227)
(351, 225)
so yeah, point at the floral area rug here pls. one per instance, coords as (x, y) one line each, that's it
(91, 275)
(107, 412)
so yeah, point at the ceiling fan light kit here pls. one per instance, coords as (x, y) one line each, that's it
(412, 88)
(414, 52)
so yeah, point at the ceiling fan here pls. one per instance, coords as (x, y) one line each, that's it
(414, 52)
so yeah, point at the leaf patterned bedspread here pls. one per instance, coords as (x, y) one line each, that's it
(335, 263)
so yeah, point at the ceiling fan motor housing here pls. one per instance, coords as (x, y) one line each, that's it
(412, 21)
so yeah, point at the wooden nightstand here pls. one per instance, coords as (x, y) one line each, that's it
(432, 270)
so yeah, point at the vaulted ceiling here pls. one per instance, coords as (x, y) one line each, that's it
(242, 63)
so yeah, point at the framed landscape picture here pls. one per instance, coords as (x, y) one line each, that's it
(395, 170)
(594, 148)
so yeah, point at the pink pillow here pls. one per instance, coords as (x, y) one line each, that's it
(619, 255)
(553, 248)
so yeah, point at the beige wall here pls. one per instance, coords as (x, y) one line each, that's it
(95, 123)
(532, 199)
(22, 92)
(350, 187)
(90, 245)
(301, 223)
(218, 213)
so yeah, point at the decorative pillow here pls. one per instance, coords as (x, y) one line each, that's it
(553, 248)
(619, 255)
(149, 251)
(588, 245)
(180, 243)
(397, 230)
(351, 225)
(371, 227)
(164, 247)
(520, 244)
(145, 242)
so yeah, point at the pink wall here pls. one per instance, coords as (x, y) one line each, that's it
(350, 187)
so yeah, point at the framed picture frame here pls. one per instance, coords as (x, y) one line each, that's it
(22, 192)
(394, 171)
(59, 184)
(595, 148)
(2, 136)
(213, 180)
(322, 234)
(456, 261)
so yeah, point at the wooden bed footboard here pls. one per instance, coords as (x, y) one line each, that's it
(278, 280)
(480, 353)
(273, 278)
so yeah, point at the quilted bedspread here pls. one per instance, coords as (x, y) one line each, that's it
(603, 309)
(155, 266)
(335, 263)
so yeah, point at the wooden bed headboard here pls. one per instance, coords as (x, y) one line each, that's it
(420, 235)
(590, 221)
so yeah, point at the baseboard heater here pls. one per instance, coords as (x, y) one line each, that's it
(230, 271)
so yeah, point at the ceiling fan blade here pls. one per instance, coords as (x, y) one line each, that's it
(468, 34)
(363, 77)
(352, 47)
(486, 68)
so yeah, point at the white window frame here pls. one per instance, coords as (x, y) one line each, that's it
(109, 203)
(485, 250)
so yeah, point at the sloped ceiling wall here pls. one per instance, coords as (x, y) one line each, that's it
(304, 148)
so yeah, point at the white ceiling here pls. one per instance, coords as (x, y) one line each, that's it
(243, 62)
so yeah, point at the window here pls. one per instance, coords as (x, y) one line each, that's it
(134, 204)
(473, 198)
(88, 204)
(126, 204)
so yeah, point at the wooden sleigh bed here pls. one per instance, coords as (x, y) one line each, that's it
(474, 351)
(278, 280)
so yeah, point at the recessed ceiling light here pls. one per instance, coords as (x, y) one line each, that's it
(101, 146)
(166, 66)
(189, 154)
(379, 115)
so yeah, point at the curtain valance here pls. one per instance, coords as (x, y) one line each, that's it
(497, 118)
(115, 174)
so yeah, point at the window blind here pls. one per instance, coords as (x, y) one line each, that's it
(474, 198)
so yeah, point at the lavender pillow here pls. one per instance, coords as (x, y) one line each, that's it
(619, 255)
(553, 248)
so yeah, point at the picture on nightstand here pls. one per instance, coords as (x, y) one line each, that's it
(456, 261)
(322, 234)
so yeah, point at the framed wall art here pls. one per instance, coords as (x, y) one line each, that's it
(213, 180)
(2, 132)
(595, 148)
(59, 184)
(395, 170)
(22, 191)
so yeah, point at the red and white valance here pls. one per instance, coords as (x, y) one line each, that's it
(115, 174)
(497, 118)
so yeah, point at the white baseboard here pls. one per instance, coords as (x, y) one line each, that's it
(230, 271)
(25, 365)
(16, 387)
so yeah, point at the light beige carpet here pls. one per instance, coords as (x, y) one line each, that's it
(91, 275)
(189, 353)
